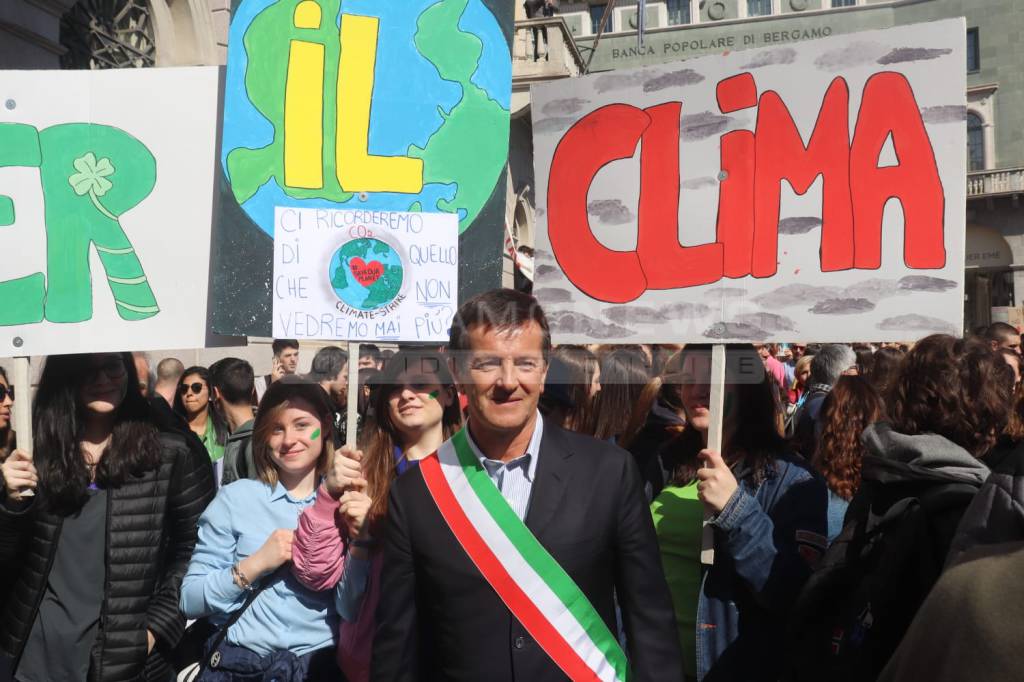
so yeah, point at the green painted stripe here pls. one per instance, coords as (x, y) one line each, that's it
(116, 252)
(127, 280)
(138, 308)
(538, 558)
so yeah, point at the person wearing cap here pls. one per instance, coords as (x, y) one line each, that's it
(245, 544)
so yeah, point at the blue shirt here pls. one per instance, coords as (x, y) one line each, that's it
(286, 615)
(514, 478)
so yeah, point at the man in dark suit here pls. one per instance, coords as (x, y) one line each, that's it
(438, 617)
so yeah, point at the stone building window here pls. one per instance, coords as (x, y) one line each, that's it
(596, 12)
(975, 143)
(678, 12)
(973, 51)
(759, 8)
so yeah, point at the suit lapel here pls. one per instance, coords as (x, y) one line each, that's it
(551, 482)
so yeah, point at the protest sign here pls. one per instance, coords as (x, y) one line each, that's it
(105, 209)
(365, 275)
(809, 192)
(368, 105)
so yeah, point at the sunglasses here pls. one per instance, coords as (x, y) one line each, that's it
(6, 391)
(196, 387)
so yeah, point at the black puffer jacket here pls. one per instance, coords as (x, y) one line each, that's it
(151, 532)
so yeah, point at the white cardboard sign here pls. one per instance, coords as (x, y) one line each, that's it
(809, 192)
(106, 186)
(364, 275)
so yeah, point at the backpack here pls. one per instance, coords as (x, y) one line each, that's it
(860, 600)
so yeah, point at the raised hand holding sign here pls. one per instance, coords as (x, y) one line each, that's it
(716, 483)
(346, 472)
(20, 476)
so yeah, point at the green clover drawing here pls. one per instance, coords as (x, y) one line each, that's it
(91, 177)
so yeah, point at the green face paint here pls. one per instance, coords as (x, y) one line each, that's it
(434, 394)
(316, 434)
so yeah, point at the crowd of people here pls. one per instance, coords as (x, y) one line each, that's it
(500, 492)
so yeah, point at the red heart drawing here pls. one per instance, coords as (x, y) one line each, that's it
(366, 273)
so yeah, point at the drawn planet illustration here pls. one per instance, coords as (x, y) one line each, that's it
(366, 273)
(441, 77)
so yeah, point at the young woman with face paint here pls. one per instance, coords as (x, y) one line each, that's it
(766, 508)
(337, 543)
(245, 543)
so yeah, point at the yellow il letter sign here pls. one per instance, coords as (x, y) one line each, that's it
(304, 105)
(358, 171)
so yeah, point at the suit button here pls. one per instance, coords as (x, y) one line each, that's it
(519, 642)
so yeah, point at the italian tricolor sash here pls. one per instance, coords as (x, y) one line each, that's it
(537, 590)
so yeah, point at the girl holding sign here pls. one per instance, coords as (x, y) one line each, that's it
(96, 554)
(766, 508)
(267, 624)
(417, 409)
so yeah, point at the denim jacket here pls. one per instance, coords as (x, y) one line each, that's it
(767, 540)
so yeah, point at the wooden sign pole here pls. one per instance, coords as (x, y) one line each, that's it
(352, 410)
(715, 408)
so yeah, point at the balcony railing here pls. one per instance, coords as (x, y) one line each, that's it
(544, 49)
(994, 182)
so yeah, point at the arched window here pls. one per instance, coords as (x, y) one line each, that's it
(975, 143)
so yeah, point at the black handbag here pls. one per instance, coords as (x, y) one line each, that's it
(202, 638)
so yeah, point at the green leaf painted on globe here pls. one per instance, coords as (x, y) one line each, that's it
(457, 153)
(384, 290)
(381, 247)
(340, 280)
(267, 42)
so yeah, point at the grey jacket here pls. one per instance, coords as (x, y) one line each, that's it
(996, 515)
(238, 459)
(925, 451)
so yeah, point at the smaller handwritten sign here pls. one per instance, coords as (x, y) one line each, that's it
(364, 275)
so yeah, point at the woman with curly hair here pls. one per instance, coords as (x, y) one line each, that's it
(885, 364)
(850, 407)
(948, 405)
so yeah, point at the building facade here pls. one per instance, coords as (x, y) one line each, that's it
(680, 29)
(102, 34)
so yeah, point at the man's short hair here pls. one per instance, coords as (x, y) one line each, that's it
(235, 380)
(500, 309)
(279, 345)
(327, 363)
(830, 362)
(1000, 331)
(370, 350)
(169, 370)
